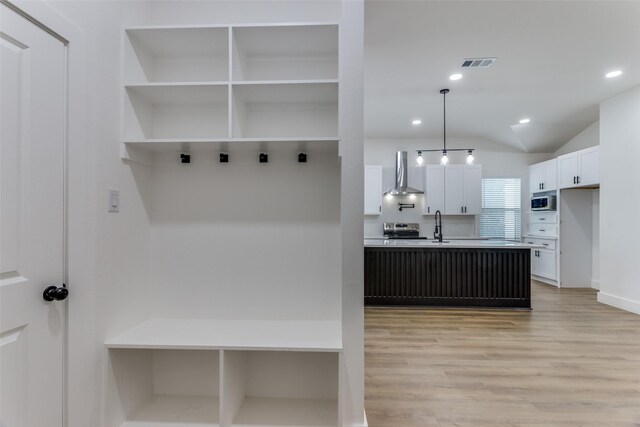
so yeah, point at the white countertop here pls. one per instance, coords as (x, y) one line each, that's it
(473, 244)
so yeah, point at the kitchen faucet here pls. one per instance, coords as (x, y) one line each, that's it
(437, 234)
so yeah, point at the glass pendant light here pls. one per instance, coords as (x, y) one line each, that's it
(420, 159)
(470, 158)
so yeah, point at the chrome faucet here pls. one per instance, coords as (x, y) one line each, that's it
(437, 234)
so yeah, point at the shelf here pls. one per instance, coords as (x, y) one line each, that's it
(182, 110)
(202, 334)
(177, 411)
(176, 54)
(285, 52)
(257, 412)
(285, 110)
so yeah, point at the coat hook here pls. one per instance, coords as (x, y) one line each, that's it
(263, 158)
(224, 158)
(302, 158)
(185, 158)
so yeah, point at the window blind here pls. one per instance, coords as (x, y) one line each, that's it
(501, 208)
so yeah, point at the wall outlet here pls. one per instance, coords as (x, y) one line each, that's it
(113, 204)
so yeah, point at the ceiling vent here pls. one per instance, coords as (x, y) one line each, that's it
(478, 62)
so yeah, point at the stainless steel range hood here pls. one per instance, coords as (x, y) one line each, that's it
(402, 173)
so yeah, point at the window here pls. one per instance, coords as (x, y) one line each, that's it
(500, 208)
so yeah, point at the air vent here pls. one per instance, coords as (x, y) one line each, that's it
(478, 62)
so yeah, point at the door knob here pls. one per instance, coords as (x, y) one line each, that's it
(54, 293)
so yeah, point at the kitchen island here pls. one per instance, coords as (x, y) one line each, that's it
(456, 273)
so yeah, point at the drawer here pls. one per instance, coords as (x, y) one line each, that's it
(543, 230)
(543, 218)
(547, 243)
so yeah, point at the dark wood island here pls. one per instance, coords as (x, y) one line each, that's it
(464, 273)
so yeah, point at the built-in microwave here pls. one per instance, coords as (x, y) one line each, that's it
(543, 203)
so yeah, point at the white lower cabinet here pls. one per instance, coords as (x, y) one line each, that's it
(544, 261)
(544, 264)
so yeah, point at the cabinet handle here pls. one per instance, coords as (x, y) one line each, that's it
(578, 179)
(461, 209)
(542, 219)
(380, 208)
(545, 244)
(428, 209)
(543, 185)
(542, 230)
(574, 180)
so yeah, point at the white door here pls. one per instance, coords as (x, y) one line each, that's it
(473, 190)
(372, 190)
(434, 190)
(454, 189)
(589, 162)
(32, 105)
(567, 170)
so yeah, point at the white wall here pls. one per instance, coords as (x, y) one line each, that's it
(588, 137)
(226, 239)
(497, 160)
(620, 201)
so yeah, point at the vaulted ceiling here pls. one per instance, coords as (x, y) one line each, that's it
(551, 62)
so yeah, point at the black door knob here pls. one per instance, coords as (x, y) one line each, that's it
(54, 293)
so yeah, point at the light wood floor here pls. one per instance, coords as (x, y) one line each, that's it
(569, 362)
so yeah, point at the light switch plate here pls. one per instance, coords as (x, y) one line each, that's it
(113, 204)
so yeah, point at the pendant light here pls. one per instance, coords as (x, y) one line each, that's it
(444, 160)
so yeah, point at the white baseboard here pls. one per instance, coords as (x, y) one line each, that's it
(619, 302)
(595, 284)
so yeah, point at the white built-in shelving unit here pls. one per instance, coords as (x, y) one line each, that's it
(202, 88)
(203, 85)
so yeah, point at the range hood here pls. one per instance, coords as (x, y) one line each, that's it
(402, 172)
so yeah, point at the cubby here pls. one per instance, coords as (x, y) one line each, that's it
(285, 110)
(305, 52)
(269, 388)
(170, 388)
(176, 55)
(207, 372)
(201, 84)
(176, 111)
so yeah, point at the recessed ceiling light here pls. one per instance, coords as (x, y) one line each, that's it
(612, 74)
(524, 121)
(416, 122)
(455, 76)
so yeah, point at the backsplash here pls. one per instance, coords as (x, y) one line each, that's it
(452, 226)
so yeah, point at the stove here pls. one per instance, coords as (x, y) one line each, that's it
(401, 230)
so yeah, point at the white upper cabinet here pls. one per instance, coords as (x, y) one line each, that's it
(543, 176)
(473, 190)
(433, 199)
(579, 169)
(453, 190)
(372, 190)
(589, 160)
